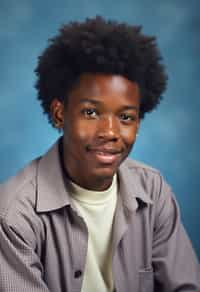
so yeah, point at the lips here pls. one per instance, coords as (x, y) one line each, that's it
(106, 155)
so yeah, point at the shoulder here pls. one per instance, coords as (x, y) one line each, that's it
(148, 183)
(18, 199)
(140, 166)
(144, 174)
(148, 180)
(17, 187)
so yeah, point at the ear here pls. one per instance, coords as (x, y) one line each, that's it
(57, 113)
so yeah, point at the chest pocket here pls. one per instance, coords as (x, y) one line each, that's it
(146, 281)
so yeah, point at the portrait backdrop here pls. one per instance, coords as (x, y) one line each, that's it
(169, 136)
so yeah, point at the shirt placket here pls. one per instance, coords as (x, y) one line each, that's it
(79, 241)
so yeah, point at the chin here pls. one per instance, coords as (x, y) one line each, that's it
(105, 173)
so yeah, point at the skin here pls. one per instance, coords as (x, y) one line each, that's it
(99, 121)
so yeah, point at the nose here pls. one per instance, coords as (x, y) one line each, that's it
(109, 129)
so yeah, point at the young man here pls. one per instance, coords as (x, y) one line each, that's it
(84, 217)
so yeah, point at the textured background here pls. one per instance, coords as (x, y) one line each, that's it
(169, 137)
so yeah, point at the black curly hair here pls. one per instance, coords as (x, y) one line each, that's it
(100, 46)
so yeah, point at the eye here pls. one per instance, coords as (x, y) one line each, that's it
(90, 112)
(127, 117)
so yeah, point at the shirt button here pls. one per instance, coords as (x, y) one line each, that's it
(77, 274)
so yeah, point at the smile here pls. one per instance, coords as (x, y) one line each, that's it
(106, 157)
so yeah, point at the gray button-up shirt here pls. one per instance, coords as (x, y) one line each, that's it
(43, 241)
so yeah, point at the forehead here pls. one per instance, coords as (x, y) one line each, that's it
(105, 87)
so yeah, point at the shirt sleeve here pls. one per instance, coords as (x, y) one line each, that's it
(20, 266)
(174, 261)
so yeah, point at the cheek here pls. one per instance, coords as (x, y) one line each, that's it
(82, 134)
(129, 136)
(80, 131)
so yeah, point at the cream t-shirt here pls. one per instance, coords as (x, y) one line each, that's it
(97, 209)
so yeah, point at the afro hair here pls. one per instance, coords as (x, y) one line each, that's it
(100, 46)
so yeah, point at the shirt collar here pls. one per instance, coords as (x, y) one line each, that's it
(52, 191)
(52, 186)
(131, 188)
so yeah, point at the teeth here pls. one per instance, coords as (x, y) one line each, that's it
(105, 153)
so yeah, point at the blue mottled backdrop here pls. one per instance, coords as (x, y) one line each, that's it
(169, 137)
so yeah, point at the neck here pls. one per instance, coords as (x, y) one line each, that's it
(93, 184)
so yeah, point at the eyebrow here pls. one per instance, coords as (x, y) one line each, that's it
(97, 102)
(94, 101)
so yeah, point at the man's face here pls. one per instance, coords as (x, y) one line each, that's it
(101, 119)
